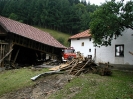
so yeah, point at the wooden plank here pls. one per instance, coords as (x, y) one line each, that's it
(3, 43)
(83, 66)
(6, 55)
(16, 56)
(1, 54)
(73, 66)
(59, 67)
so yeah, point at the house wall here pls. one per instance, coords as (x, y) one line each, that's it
(107, 54)
(77, 44)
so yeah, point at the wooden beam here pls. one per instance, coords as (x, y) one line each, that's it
(83, 66)
(16, 56)
(6, 55)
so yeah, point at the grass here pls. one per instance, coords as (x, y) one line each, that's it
(85, 86)
(12, 80)
(60, 36)
(93, 86)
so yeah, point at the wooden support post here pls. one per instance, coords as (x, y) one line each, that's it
(1, 54)
(16, 56)
(6, 55)
(3, 50)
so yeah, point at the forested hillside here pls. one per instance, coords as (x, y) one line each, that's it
(69, 16)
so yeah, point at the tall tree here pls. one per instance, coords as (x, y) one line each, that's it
(2, 4)
(69, 16)
(111, 19)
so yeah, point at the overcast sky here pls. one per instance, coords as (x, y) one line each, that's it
(98, 2)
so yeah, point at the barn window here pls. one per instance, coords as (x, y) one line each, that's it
(82, 44)
(119, 50)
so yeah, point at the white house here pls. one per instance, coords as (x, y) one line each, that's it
(117, 53)
(83, 43)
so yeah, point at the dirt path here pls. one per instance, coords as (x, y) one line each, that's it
(43, 87)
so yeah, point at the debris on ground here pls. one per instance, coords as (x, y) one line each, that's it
(46, 73)
(44, 87)
(77, 66)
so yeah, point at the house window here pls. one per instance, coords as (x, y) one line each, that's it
(90, 39)
(78, 38)
(119, 50)
(89, 50)
(82, 44)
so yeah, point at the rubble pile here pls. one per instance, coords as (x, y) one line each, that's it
(77, 66)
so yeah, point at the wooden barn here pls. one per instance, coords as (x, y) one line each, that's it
(22, 43)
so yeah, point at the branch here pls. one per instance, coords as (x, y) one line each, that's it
(128, 27)
(130, 52)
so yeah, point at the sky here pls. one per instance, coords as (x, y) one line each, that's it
(98, 2)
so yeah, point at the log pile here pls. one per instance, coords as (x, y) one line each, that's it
(77, 66)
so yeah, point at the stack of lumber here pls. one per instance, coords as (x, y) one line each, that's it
(78, 66)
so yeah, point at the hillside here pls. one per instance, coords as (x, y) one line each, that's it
(69, 16)
(60, 36)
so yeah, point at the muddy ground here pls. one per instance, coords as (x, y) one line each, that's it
(44, 87)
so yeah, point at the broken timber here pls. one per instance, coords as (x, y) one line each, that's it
(6, 55)
(64, 66)
(89, 61)
(76, 67)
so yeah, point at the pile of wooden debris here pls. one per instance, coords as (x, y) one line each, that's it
(78, 66)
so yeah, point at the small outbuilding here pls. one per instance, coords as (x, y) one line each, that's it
(22, 43)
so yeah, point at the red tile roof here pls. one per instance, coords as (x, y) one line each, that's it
(29, 32)
(83, 34)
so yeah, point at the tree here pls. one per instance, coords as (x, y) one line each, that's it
(69, 16)
(13, 16)
(109, 20)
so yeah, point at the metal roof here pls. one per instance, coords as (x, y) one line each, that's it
(29, 32)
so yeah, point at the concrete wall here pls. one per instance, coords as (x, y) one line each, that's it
(77, 44)
(107, 54)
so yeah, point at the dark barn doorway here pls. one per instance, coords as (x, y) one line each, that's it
(24, 56)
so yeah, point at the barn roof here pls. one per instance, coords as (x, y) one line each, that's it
(83, 34)
(29, 32)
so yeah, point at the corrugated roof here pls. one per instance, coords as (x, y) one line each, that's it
(29, 32)
(83, 34)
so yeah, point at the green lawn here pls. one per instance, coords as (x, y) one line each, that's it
(15, 79)
(85, 86)
(93, 86)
